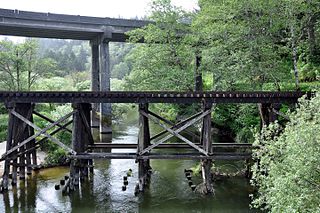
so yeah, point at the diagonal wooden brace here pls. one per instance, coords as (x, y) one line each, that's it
(50, 120)
(41, 132)
(175, 133)
(175, 126)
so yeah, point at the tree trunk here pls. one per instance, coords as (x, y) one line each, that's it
(198, 74)
(29, 70)
(312, 38)
(18, 70)
(294, 58)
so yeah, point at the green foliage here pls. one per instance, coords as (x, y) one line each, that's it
(309, 72)
(165, 61)
(70, 55)
(56, 157)
(287, 171)
(3, 126)
(55, 84)
(20, 66)
(119, 66)
(60, 111)
(241, 120)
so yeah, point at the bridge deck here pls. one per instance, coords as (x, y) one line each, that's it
(149, 97)
(49, 25)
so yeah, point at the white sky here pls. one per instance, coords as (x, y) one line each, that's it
(97, 8)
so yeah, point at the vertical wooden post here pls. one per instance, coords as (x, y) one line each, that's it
(6, 202)
(264, 114)
(267, 115)
(5, 176)
(24, 109)
(29, 131)
(273, 116)
(15, 160)
(84, 109)
(143, 142)
(76, 140)
(33, 143)
(207, 146)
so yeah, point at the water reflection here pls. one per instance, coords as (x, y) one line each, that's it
(168, 192)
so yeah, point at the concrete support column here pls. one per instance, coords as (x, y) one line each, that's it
(105, 108)
(95, 72)
(95, 86)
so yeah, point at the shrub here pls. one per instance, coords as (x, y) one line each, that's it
(287, 172)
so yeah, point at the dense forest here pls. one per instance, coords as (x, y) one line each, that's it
(225, 45)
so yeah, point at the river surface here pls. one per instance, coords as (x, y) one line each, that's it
(168, 192)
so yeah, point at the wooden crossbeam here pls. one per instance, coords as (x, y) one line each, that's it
(170, 145)
(50, 120)
(174, 126)
(41, 132)
(174, 133)
(180, 156)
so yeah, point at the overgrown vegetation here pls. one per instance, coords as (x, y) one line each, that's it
(286, 172)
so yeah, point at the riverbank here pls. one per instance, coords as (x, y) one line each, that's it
(40, 156)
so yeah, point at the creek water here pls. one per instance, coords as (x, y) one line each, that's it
(168, 192)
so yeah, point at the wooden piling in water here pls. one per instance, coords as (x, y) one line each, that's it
(5, 176)
(86, 137)
(75, 143)
(143, 142)
(206, 141)
(81, 138)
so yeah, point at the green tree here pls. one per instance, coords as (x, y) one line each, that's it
(287, 172)
(256, 41)
(242, 42)
(165, 61)
(20, 66)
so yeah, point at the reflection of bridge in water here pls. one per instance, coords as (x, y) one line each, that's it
(23, 133)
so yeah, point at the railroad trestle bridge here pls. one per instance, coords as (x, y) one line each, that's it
(23, 136)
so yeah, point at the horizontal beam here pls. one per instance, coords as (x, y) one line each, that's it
(181, 156)
(150, 97)
(166, 146)
(49, 25)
